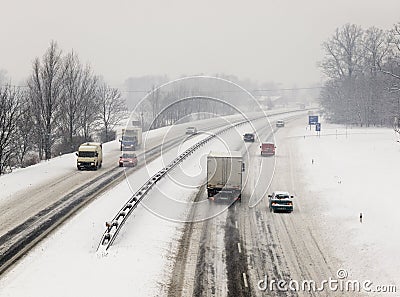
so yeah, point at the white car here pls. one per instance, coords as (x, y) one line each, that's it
(191, 130)
(280, 201)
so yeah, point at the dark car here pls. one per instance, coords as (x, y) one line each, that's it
(249, 137)
(280, 201)
(128, 159)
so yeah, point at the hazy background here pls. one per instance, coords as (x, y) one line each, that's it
(261, 40)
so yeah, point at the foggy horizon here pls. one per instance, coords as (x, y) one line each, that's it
(264, 41)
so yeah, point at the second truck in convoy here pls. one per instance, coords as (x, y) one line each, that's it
(131, 139)
(224, 176)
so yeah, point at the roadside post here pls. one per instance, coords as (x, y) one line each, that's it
(318, 128)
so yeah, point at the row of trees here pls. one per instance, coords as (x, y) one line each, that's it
(183, 103)
(363, 69)
(63, 105)
(189, 99)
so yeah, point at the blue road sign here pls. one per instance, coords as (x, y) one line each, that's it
(318, 127)
(312, 120)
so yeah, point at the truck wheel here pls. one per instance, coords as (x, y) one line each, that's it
(101, 164)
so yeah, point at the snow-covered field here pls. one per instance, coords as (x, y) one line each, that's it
(355, 172)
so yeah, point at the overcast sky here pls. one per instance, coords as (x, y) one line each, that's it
(265, 40)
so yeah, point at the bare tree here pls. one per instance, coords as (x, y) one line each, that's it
(112, 108)
(70, 103)
(10, 104)
(89, 105)
(377, 50)
(352, 61)
(392, 67)
(78, 105)
(155, 105)
(25, 132)
(343, 52)
(46, 88)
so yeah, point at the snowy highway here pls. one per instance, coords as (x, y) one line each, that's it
(57, 191)
(177, 243)
(233, 251)
(200, 149)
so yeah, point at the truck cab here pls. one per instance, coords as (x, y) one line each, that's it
(90, 156)
(267, 149)
(131, 139)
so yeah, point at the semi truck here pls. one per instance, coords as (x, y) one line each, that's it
(224, 176)
(131, 139)
(90, 156)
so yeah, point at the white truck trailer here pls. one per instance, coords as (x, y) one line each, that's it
(224, 176)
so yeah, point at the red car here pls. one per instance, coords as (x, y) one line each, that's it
(128, 159)
(267, 149)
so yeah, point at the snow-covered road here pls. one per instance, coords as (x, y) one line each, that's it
(349, 175)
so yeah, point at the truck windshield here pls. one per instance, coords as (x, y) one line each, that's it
(129, 138)
(87, 154)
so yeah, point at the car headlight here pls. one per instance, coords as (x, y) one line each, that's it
(79, 163)
(91, 163)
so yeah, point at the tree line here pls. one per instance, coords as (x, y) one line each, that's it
(193, 99)
(63, 105)
(363, 70)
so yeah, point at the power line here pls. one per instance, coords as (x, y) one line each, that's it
(233, 91)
